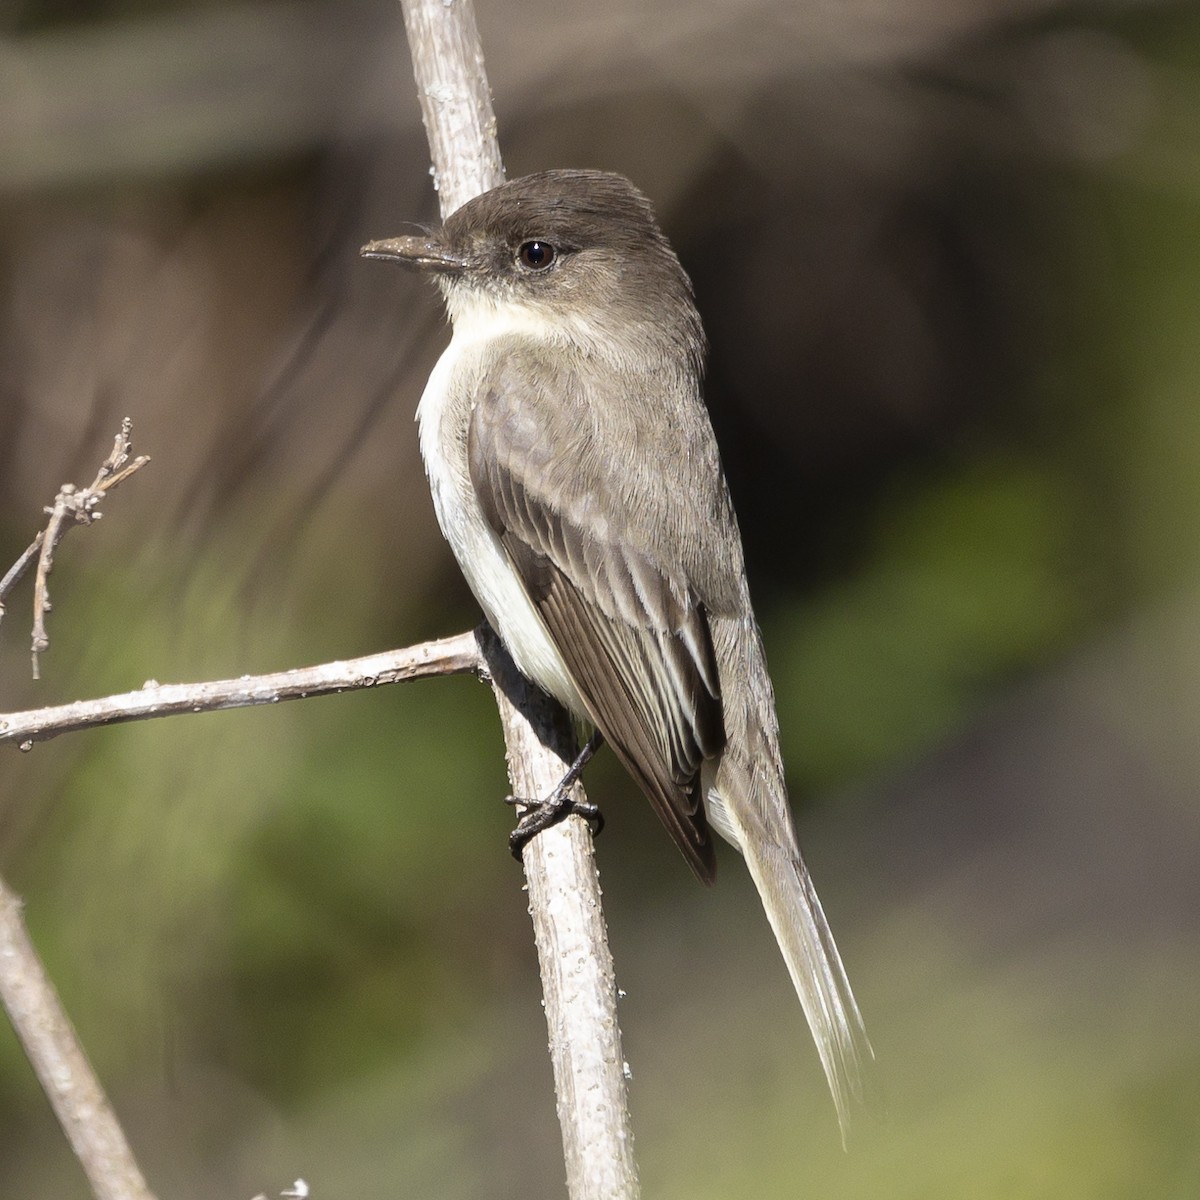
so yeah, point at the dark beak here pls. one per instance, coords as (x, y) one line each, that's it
(423, 253)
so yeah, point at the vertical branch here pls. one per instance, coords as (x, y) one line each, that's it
(61, 1065)
(564, 890)
(456, 102)
(578, 987)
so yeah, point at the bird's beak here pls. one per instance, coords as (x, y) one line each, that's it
(423, 253)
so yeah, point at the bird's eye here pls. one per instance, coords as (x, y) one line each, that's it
(537, 256)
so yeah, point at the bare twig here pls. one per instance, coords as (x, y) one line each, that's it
(14, 573)
(62, 1067)
(71, 505)
(449, 656)
(564, 890)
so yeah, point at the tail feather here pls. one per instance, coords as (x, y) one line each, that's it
(812, 958)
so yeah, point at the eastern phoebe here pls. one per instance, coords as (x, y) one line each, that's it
(576, 477)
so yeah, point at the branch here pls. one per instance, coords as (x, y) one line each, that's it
(14, 574)
(450, 656)
(579, 993)
(61, 1066)
(576, 966)
(456, 102)
(579, 990)
(28, 996)
(72, 505)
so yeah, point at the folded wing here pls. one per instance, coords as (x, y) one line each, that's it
(632, 633)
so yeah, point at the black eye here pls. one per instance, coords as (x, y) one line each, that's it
(537, 256)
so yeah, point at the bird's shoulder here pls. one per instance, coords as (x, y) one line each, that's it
(626, 452)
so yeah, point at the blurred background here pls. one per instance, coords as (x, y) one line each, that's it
(948, 255)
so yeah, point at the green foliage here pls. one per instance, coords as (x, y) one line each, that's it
(968, 581)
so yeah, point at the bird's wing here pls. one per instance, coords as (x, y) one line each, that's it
(632, 633)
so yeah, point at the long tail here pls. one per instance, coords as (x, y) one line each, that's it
(812, 958)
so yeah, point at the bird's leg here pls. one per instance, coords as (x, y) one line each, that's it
(541, 814)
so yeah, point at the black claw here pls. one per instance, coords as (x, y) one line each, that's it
(541, 814)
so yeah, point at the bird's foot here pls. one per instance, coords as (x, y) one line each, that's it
(541, 814)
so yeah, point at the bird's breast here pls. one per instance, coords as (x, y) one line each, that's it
(443, 417)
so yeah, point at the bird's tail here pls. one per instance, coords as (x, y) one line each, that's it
(812, 958)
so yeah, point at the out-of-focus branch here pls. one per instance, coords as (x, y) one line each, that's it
(28, 996)
(72, 506)
(15, 573)
(62, 1067)
(578, 989)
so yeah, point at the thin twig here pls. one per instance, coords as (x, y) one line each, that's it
(578, 989)
(62, 1067)
(72, 505)
(447, 656)
(41, 593)
(18, 569)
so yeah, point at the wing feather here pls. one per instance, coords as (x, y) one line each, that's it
(633, 634)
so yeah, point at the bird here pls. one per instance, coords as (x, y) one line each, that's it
(576, 476)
